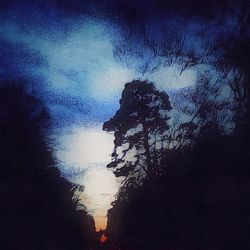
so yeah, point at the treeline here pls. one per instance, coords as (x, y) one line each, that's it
(185, 159)
(38, 209)
(201, 203)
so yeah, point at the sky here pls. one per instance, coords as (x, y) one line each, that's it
(67, 51)
(69, 60)
(77, 56)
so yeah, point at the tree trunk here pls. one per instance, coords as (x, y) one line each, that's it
(147, 149)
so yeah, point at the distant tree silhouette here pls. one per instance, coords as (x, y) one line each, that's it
(138, 125)
(207, 106)
(234, 62)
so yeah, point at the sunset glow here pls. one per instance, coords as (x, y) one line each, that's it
(89, 149)
(103, 238)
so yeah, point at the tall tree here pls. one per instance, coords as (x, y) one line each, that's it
(138, 126)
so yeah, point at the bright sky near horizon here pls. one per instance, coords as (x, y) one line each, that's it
(90, 149)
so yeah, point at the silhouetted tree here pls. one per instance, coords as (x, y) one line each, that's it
(224, 54)
(138, 125)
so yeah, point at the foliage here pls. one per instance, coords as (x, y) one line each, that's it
(36, 206)
(201, 204)
(141, 120)
(201, 199)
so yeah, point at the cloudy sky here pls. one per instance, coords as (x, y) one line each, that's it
(77, 55)
(66, 51)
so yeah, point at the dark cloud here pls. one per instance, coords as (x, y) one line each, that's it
(131, 10)
(17, 60)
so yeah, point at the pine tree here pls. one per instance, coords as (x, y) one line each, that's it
(138, 127)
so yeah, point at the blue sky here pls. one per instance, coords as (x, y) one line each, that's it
(66, 51)
(69, 60)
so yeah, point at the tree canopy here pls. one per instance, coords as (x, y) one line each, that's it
(138, 126)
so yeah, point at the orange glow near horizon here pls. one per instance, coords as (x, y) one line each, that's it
(100, 223)
(89, 149)
(103, 238)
